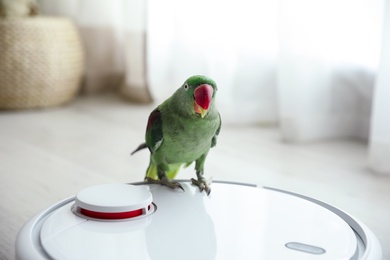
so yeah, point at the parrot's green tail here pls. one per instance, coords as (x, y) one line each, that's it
(151, 172)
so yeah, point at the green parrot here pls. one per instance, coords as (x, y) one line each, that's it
(182, 130)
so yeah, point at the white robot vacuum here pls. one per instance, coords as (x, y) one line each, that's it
(237, 221)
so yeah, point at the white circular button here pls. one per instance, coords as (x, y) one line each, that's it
(114, 201)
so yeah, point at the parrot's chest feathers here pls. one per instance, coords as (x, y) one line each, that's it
(185, 140)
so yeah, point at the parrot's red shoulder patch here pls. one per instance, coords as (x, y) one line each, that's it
(154, 116)
(154, 133)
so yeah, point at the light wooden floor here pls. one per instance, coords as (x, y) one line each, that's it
(48, 155)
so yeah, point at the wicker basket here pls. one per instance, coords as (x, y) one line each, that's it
(41, 62)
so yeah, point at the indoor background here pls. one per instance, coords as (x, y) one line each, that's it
(303, 94)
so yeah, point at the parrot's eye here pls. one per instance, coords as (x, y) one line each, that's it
(186, 86)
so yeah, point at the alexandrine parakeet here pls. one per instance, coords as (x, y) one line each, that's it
(182, 130)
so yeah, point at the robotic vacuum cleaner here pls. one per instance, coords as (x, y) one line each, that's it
(237, 221)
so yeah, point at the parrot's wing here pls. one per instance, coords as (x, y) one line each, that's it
(154, 133)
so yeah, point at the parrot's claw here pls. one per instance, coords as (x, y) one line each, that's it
(166, 182)
(203, 184)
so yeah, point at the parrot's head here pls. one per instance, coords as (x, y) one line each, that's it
(198, 94)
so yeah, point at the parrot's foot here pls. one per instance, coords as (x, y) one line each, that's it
(166, 182)
(203, 184)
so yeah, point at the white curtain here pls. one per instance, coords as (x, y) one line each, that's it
(309, 66)
(379, 149)
(329, 53)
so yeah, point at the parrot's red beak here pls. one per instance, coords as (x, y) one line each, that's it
(203, 96)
